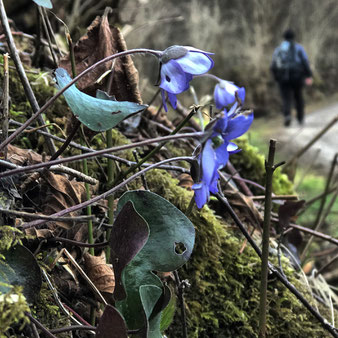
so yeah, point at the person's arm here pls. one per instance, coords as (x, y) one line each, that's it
(305, 61)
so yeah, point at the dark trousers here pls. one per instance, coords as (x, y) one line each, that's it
(290, 91)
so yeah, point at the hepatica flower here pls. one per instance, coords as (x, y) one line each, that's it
(215, 152)
(225, 93)
(178, 64)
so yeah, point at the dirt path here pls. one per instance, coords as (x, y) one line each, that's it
(293, 138)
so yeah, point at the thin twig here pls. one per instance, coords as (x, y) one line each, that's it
(36, 322)
(5, 105)
(84, 275)
(27, 88)
(44, 24)
(311, 142)
(98, 153)
(60, 169)
(46, 217)
(116, 158)
(74, 328)
(107, 193)
(317, 222)
(325, 324)
(80, 244)
(57, 299)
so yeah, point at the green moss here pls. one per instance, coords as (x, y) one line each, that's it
(250, 164)
(13, 306)
(9, 237)
(223, 299)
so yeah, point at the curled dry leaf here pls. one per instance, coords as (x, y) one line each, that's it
(58, 193)
(100, 273)
(22, 157)
(101, 41)
(186, 181)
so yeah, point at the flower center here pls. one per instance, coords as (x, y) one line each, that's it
(173, 52)
(217, 141)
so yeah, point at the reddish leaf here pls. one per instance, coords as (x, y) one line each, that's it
(129, 234)
(111, 324)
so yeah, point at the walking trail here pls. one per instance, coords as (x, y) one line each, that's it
(291, 139)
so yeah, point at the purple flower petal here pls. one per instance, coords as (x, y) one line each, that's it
(172, 99)
(221, 125)
(208, 160)
(202, 194)
(173, 79)
(213, 185)
(164, 99)
(238, 126)
(241, 94)
(222, 96)
(232, 147)
(195, 62)
(222, 155)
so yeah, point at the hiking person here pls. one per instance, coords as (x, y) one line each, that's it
(291, 69)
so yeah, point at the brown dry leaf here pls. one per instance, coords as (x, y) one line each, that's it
(39, 233)
(186, 181)
(99, 272)
(101, 41)
(21, 157)
(58, 193)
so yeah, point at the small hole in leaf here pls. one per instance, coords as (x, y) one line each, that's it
(167, 78)
(180, 248)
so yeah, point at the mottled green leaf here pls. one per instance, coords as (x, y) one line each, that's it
(98, 114)
(20, 268)
(44, 3)
(169, 228)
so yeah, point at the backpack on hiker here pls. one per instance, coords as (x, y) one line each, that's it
(287, 63)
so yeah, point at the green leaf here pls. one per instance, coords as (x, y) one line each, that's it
(98, 114)
(169, 229)
(44, 3)
(20, 268)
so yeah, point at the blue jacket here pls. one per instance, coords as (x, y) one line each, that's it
(300, 72)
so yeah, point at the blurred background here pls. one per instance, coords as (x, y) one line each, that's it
(241, 33)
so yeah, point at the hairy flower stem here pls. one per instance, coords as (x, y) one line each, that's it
(110, 183)
(38, 111)
(33, 167)
(270, 168)
(155, 150)
(109, 192)
(84, 161)
(327, 326)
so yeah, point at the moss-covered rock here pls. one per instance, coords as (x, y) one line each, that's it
(223, 300)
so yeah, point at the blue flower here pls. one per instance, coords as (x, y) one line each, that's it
(216, 150)
(178, 65)
(225, 93)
